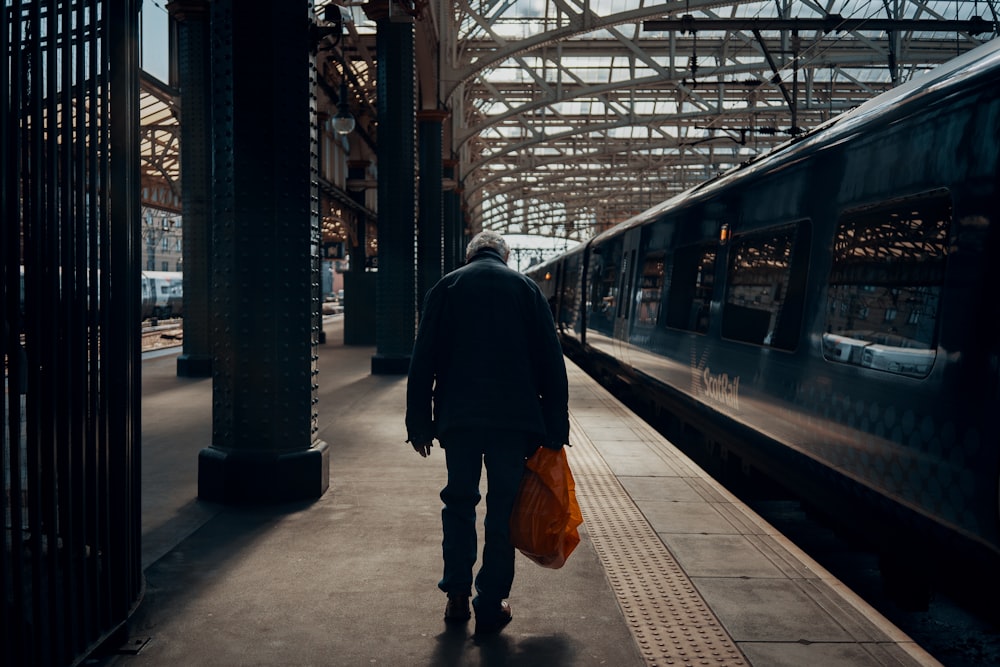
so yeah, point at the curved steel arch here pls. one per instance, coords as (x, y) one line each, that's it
(459, 76)
(837, 74)
(678, 142)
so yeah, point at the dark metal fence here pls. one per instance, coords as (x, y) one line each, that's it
(69, 180)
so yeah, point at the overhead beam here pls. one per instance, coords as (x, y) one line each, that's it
(831, 23)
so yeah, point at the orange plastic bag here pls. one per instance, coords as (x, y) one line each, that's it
(543, 525)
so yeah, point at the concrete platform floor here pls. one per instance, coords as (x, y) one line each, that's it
(350, 579)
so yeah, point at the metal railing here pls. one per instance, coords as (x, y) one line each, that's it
(69, 180)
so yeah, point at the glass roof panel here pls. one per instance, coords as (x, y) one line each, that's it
(556, 79)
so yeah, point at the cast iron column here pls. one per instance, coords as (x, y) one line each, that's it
(452, 232)
(358, 170)
(194, 67)
(395, 299)
(430, 232)
(359, 284)
(265, 259)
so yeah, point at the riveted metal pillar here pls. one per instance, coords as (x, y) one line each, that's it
(452, 220)
(357, 170)
(194, 70)
(265, 259)
(430, 231)
(462, 235)
(359, 285)
(395, 302)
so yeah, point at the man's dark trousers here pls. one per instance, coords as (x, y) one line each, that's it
(504, 454)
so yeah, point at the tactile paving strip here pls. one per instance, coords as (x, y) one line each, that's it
(670, 621)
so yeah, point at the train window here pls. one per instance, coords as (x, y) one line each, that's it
(764, 296)
(604, 294)
(649, 290)
(691, 280)
(884, 292)
(569, 300)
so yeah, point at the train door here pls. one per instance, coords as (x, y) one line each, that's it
(604, 281)
(558, 294)
(626, 292)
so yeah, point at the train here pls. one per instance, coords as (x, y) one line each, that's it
(825, 314)
(162, 294)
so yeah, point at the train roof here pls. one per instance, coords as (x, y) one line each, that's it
(981, 62)
(552, 261)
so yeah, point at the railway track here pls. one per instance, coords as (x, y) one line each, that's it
(158, 334)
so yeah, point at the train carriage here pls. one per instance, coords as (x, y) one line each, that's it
(162, 293)
(825, 313)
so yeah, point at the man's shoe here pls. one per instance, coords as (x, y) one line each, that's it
(457, 609)
(488, 623)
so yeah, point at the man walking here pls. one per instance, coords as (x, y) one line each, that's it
(488, 380)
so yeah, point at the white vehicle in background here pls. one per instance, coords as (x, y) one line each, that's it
(162, 294)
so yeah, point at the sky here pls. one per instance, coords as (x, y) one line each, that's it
(153, 53)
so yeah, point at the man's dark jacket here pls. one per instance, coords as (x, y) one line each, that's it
(487, 357)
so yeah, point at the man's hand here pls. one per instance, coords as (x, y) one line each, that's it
(423, 448)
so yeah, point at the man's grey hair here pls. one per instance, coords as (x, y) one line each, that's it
(487, 239)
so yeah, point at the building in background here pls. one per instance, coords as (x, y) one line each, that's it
(162, 236)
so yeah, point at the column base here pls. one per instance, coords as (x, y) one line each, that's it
(235, 477)
(383, 364)
(194, 366)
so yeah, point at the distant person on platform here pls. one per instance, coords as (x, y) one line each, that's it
(488, 380)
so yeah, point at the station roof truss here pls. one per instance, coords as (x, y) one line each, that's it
(569, 116)
(159, 144)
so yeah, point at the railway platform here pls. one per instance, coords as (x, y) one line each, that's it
(671, 568)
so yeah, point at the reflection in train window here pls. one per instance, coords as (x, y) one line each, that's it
(757, 287)
(604, 279)
(691, 282)
(648, 298)
(885, 286)
(571, 297)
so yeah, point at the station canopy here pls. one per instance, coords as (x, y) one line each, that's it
(159, 144)
(574, 115)
(568, 116)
